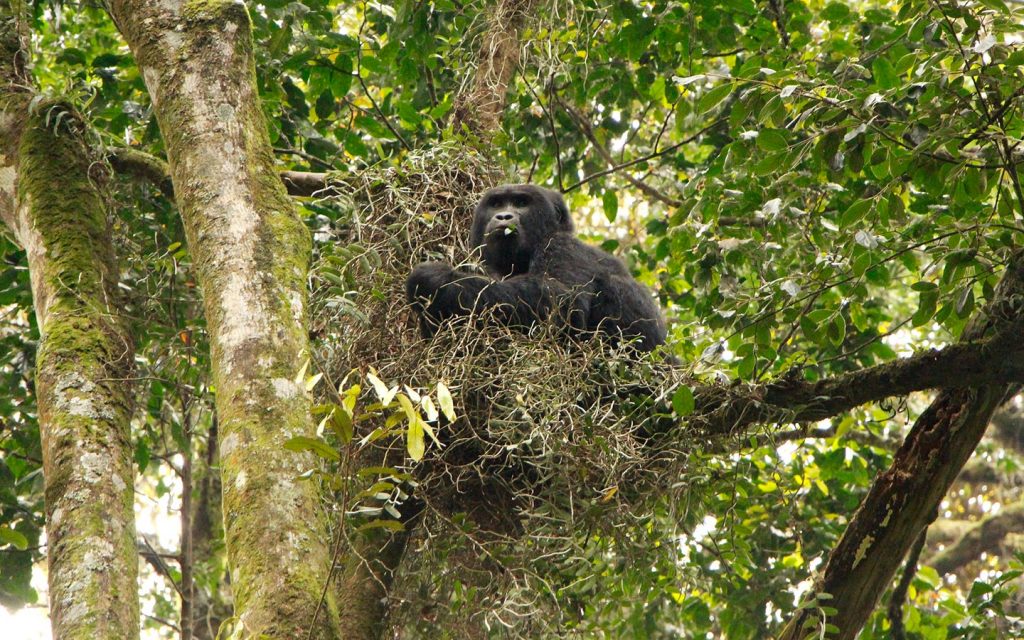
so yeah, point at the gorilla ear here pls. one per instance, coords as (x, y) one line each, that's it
(558, 203)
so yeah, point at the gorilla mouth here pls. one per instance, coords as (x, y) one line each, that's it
(503, 231)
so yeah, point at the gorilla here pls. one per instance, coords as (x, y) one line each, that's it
(537, 269)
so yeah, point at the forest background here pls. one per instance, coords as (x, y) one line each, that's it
(209, 211)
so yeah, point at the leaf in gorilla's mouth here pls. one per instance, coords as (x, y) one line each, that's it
(510, 229)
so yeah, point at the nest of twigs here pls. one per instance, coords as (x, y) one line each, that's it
(551, 433)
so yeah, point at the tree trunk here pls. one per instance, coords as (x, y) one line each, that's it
(209, 610)
(905, 498)
(85, 354)
(251, 253)
(480, 106)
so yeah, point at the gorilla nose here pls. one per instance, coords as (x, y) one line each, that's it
(504, 216)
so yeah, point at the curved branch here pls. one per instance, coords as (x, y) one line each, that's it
(904, 498)
(985, 536)
(143, 166)
(729, 410)
(140, 165)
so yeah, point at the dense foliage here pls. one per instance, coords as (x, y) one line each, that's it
(811, 188)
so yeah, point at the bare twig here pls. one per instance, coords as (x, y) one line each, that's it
(584, 126)
(650, 156)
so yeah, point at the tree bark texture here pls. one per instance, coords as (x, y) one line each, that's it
(251, 254)
(83, 365)
(480, 106)
(85, 354)
(905, 498)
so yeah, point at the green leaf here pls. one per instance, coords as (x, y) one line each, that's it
(771, 140)
(855, 212)
(12, 537)
(979, 588)
(341, 423)
(610, 202)
(998, 5)
(837, 330)
(885, 75)
(836, 12)
(324, 107)
(314, 445)
(810, 328)
(929, 577)
(711, 99)
(382, 523)
(965, 302)
(657, 89)
(683, 402)
(793, 560)
(926, 307)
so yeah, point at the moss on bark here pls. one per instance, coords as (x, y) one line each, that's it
(83, 364)
(251, 253)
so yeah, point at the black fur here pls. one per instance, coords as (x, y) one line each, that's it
(537, 267)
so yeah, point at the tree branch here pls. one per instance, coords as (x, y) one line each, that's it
(728, 410)
(655, 154)
(584, 125)
(903, 499)
(143, 166)
(899, 594)
(985, 536)
(140, 165)
(310, 184)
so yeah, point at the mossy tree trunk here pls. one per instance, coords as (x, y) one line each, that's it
(250, 253)
(85, 353)
(481, 104)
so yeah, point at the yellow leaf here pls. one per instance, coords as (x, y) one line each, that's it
(386, 395)
(302, 373)
(444, 398)
(414, 439)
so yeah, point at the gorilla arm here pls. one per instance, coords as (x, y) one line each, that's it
(439, 292)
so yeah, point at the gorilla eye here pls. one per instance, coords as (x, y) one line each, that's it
(520, 201)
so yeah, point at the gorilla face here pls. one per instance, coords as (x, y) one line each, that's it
(510, 223)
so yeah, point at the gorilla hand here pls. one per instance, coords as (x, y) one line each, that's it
(428, 293)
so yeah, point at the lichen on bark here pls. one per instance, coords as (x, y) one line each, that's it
(251, 253)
